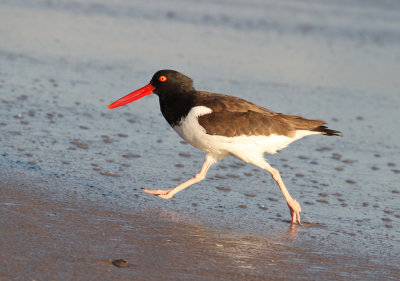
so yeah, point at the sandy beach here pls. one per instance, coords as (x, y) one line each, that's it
(71, 170)
(60, 238)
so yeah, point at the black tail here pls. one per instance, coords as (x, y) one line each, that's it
(325, 131)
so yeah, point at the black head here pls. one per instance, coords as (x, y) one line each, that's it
(170, 86)
(170, 81)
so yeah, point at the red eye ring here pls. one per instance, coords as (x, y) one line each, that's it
(162, 78)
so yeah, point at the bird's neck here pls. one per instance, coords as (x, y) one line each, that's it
(176, 105)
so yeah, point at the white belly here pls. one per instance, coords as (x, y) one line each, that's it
(247, 148)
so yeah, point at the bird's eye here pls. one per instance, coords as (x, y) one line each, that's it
(162, 78)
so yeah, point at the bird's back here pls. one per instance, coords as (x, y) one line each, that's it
(233, 116)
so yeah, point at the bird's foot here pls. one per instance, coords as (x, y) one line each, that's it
(165, 194)
(295, 210)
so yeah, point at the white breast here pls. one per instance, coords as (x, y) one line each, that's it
(191, 131)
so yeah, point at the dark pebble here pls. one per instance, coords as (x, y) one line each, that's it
(324, 148)
(243, 206)
(80, 144)
(109, 174)
(250, 195)
(131, 155)
(182, 154)
(120, 263)
(351, 181)
(223, 188)
(179, 165)
(349, 161)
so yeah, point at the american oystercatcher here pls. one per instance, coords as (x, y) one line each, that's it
(222, 125)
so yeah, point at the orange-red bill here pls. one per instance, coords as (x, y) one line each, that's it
(138, 94)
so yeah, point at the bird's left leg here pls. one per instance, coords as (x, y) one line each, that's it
(169, 193)
(293, 205)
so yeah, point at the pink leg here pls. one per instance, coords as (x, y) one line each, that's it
(293, 205)
(169, 193)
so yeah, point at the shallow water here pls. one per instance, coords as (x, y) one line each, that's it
(64, 62)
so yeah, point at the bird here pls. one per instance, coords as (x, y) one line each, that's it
(223, 125)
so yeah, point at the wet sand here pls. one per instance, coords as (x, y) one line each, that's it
(71, 170)
(56, 237)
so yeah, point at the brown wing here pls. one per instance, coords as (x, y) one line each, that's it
(233, 116)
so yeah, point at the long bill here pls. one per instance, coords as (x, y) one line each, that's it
(138, 94)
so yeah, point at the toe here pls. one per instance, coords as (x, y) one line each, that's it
(155, 191)
(165, 196)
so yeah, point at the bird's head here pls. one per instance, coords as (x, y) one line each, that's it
(163, 82)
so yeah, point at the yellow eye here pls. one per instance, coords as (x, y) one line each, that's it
(162, 78)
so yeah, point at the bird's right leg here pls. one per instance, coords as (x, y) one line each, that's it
(169, 193)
